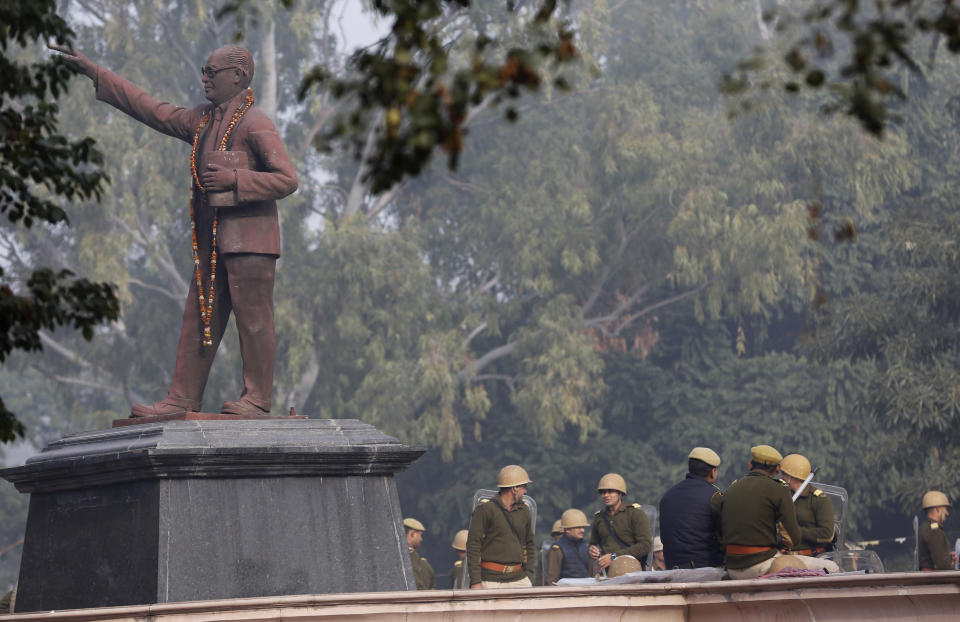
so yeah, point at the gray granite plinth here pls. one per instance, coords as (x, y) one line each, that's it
(195, 510)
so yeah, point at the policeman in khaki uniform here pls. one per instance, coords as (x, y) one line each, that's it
(500, 549)
(750, 510)
(620, 528)
(814, 513)
(933, 548)
(460, 546)
(422, 571)
(568, 557)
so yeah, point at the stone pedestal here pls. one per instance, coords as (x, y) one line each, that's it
(196, 510)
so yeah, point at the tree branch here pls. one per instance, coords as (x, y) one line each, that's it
(473, 367)
(663, 303)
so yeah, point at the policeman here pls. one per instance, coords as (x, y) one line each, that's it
(749, 512)
(814, 514)
(568, 557)
(687, 525)
(620, 528)
(422, 572)
(933, 549)
(500, 546)
(460, 548)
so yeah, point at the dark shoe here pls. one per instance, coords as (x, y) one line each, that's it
(158, 409)
(243, 407)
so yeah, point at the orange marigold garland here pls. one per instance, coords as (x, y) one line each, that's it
(206, 305)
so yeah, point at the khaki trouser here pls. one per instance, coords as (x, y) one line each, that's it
(498, 585)
(758, 570)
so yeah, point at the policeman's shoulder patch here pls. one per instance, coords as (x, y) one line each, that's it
(597, 513)
(638, 506)
(458, 563)
(783, 483)
(817, 492)
(555, 546)
(934, 525)
(484, 500)
(423, 558)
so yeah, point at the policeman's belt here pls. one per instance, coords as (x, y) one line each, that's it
(741, 549)
(502, 568)
(809, 552)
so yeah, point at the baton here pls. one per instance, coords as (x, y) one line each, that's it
(803, 486)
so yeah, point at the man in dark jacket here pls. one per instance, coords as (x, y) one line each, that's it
(688, 528)
(568, 557)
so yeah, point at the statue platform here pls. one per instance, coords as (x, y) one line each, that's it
(212, 508)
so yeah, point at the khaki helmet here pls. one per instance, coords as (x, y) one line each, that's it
(705, 454)
(573, 518)
(512, 475)
(460, 540)
(796, 465)
(557, 527)
(787, 561)
(612, 481)
(412, 523)
(622, 565)
(765, 454)
(935, 499)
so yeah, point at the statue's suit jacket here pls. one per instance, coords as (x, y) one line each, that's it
(252, 225)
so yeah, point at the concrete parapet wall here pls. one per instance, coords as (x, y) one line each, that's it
(896, 596)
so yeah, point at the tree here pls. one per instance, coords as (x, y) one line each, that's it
(39, 169)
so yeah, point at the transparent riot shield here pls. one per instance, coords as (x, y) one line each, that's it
(652, 513)
(838, 496)
(482, 496)
(916, 543)
(542, 560)
(855, 561)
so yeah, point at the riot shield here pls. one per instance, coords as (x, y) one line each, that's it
(481, 496)
(838, 496)
(916, 543)
(542, 560)
(855, 561)
(652, 512)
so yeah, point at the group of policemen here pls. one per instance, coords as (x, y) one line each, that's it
(760, 524)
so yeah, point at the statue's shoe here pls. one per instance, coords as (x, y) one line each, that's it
(158, 409)
(243, 407)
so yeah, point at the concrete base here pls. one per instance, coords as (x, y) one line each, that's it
(195, 510)
(931, 597)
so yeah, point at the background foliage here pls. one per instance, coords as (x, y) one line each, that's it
(625, 273)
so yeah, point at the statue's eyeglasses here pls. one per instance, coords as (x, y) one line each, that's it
(210, 72)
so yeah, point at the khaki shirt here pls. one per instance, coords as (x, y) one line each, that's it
(815, 517)
(631, 526)
(749, 511)
(422, 571)
(491, 539)
(933, 548)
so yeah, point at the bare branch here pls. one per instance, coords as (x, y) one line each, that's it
(162, 290)
(663, 303)
(383, 201)
(620, 308)
(472, 368)
(476, 331)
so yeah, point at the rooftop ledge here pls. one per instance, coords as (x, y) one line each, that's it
(892, 596)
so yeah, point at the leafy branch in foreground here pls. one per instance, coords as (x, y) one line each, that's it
(855, 50)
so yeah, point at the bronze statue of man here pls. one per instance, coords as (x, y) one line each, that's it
(239, 169)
